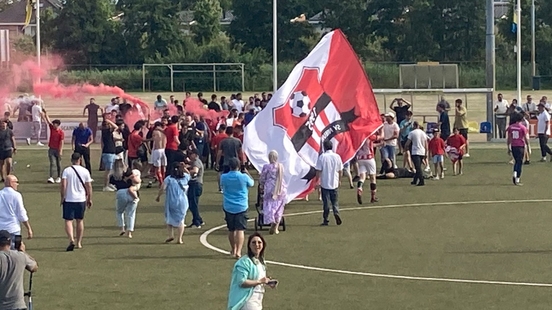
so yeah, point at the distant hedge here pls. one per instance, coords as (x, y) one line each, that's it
(381, 76)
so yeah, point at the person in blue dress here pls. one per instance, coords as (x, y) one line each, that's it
(176, 203)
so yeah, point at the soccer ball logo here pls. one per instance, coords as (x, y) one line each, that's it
(299, 102)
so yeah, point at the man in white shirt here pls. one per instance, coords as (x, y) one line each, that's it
(160, 104)
(329, 169)
(417, 138)
(500, 109)
(543, 130)
(36, 126)
(390, 134)
(12, 210)
(76, 196)
(529, 107)
(238, 103)
(113, 106)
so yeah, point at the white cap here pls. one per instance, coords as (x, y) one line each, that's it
(390, 114)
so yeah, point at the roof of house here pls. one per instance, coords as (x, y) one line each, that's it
(15, 13)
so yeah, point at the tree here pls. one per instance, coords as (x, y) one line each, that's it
(207, 14)
(84, 32)
(150, 27)
(252, 27)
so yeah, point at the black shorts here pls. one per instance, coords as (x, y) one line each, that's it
(225, 169)
(73, 210)
(5, 154)
(464, 133)
(237, 221)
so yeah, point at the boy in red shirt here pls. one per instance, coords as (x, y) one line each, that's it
(437, 153)
(55, 145)
(456, 145)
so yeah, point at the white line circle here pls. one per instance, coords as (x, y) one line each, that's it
(205, 235)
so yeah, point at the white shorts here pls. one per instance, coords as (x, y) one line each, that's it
(367, 166)
(158, 158)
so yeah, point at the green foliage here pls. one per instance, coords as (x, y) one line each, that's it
(83, 32)
(207, 14)
(150, 27)
(252, 27)
(25, 45)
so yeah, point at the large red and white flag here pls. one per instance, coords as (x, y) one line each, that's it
(327, 96)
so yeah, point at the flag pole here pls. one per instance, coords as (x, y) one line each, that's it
(275, 45)
(518, 22)
(38, 55)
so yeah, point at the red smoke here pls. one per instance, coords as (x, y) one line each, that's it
(195, 107)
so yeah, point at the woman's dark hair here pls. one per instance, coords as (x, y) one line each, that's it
(516, 117)
(250, 253)
(176, 170)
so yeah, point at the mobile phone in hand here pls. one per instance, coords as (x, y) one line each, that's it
(272, 283)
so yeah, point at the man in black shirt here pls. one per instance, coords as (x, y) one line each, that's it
(400, 109)
(444, 121)
(108, 151)
(213, 105)
(200, 97)
(92, 122)
(7, 149)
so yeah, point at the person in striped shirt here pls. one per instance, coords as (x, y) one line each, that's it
(366, 167)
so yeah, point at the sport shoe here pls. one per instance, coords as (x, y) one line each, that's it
(108, 189)
(338, 219)
(359, 196)
(442, 175)
(58, 180)
(28, 141)
(51, 180)
(436, 178)
(39, 144)
(467, 155)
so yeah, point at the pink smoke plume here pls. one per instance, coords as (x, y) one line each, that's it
(30, 70)
(196, 107)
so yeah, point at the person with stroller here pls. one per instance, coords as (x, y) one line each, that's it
(273, 188)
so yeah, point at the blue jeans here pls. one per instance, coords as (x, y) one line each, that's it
(126, 208)
(329, 196)
(194, 192)
(517, 153)
(388, 151)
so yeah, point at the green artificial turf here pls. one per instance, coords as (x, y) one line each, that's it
(501, 241)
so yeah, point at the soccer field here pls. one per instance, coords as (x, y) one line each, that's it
(466, 242)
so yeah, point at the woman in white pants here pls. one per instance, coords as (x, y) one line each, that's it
(127, 197)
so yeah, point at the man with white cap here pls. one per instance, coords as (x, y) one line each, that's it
(390, 134)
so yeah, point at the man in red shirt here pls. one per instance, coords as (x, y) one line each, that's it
(215, 142)
(437, 153)
(135, 140)
(238, 132)
(457, 146)
(55, 147)
(171, 131)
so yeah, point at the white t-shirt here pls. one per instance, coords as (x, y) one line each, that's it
(388, 132)
(529, 107)
(419, 139)
(111, 107)
(541, 124)
(12, 210)
(329, 163)
(501, 108)
(75, 192)
(160, 105)
(36, 111)
(238, 105)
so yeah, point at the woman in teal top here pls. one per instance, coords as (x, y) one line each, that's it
(249, 277)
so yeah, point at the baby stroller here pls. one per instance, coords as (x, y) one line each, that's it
(259, 220)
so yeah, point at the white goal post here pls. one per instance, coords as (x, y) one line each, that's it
(212, 68)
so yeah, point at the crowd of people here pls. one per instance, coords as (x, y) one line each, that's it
(172, 148)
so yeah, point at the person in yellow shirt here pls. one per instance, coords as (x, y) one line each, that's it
(461, 122)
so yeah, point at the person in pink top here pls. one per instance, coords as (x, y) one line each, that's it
(517, 140)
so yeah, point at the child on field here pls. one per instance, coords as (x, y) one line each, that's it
(437, 153)
(456, 146)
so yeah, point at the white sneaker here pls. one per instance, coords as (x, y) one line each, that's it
(58, 180)
(108, 189)
(91, 180)
(442, 175)
(112, 187)
(28, 141)
(436, 177)
(40, 144)
(467, 155)
(51, 180)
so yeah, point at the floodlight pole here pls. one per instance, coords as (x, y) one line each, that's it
(275, 45)
(490, 63)
(518, 31)
(38, 54)
(533, 39)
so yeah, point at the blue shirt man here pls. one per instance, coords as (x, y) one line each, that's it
(235, 203)
(81, 135)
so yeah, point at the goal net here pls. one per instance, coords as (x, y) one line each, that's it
(181, 77)
(424, 103)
